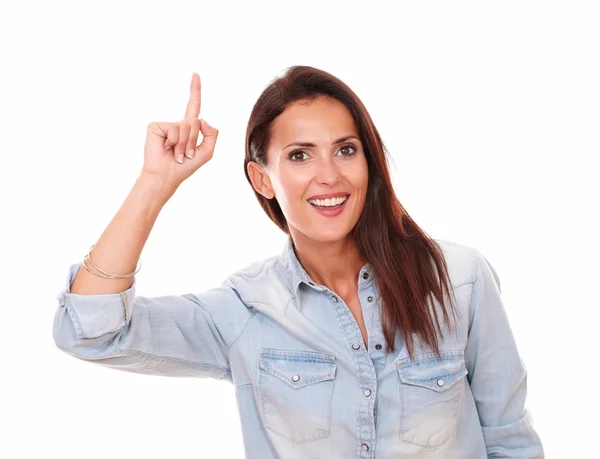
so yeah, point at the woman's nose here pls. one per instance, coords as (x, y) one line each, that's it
(327, 170)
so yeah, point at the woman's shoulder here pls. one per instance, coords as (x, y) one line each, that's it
(255, 268)
(462, 261)
(258, 279)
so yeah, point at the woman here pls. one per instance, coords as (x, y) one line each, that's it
(344, 345)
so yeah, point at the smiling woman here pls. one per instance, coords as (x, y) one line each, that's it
(363, 335)
(304, 181)
(313, 109)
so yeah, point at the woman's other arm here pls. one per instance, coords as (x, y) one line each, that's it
(497, 375)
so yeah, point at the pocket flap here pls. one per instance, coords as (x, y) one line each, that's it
(432, 373)
(298, 368)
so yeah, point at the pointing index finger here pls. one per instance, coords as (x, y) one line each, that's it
(193, 106)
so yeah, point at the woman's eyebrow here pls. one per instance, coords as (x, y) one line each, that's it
(308, 144)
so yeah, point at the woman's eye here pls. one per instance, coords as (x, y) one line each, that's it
(294, 154)
(350, 149)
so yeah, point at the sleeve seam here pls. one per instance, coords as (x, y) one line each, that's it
(470, 304)
(74, 317)
(203, 306)
(234, 340)
(228, 346)
(168, 359)
(245, 326)
(125, 305)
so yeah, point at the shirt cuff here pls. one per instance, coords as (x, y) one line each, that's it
(518, 439)
(96, 315)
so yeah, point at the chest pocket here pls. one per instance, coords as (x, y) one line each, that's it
(297, 393)
(430, 393)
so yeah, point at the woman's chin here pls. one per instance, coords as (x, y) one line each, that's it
(328, 235)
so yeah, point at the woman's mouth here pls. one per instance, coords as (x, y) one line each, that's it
(329, 207)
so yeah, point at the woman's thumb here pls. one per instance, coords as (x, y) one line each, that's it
(209, 139)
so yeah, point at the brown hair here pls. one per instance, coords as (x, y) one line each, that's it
(402, 262)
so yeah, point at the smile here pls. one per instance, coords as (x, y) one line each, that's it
(329, 207)
(333, 202)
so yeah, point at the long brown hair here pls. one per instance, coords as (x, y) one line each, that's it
(402, 261)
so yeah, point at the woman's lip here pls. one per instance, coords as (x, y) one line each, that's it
(327, 212)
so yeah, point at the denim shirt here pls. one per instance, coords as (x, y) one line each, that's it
(306, 384)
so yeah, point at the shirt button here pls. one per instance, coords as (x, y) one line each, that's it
(356, 346)
(440, 382)
(296, 378)
(365, 275)
(334, 299)
(367, 393)
(370, 299)
(378, 347)
(365, 447)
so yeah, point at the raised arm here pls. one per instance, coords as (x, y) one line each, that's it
(120, 245)
(103, 320)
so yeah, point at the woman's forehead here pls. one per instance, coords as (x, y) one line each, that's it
(321, 121)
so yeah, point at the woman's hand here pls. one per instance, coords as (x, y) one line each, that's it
(170, 151)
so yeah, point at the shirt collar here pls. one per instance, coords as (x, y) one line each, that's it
(295, 275)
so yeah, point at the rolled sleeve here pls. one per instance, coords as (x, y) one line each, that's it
(95, 315)
(497, 374)
(174, 335)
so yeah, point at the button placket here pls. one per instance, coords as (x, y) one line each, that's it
(366, 371)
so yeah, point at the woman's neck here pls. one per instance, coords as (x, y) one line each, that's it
(335, 265)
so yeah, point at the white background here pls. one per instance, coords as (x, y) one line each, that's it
(490, 112)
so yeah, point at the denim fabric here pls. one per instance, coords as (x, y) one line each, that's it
(306, 385)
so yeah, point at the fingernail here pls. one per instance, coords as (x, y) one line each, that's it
(190, 153)
(180, 158)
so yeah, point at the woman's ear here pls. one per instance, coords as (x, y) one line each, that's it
(260, 179)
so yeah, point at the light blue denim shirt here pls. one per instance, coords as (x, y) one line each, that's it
(306, 385)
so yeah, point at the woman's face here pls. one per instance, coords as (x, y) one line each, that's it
(297, 173)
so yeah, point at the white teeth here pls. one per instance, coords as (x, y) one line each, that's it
(328, 202)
